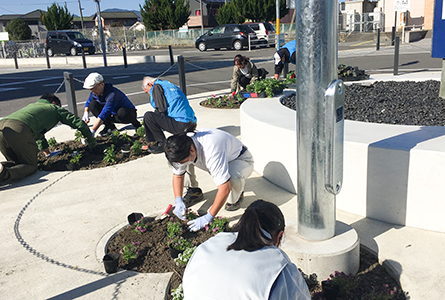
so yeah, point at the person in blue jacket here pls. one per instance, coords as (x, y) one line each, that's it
(286, 54)
(108, 104)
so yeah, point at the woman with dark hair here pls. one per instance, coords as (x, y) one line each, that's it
(222, 155)
(248, 261)
(244, 73)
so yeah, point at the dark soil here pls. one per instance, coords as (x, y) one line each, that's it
(227, 102)
(91, 158)
(392, 102)
(155, 258)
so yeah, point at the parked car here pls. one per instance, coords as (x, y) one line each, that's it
(68, 42)
(227, 36)
(264, 31)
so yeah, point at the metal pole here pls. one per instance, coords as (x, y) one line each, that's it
(124, 53)
(277, 12)
(15, 60)
(81, 15)
(172, 62)
(320, 118)
(181, 73)
(70, 92)
(101, 32)
(47, 58)
(202, 17)
(378, 39)
(396, 56)
(83, 59)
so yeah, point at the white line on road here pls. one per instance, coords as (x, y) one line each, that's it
(120, 77)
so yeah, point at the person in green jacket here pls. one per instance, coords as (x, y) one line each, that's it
(22, 135)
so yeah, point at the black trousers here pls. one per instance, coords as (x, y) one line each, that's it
(125, 115)
(155, 123)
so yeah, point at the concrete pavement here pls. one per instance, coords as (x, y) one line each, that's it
(54, 226)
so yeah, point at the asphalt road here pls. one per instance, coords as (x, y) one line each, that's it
(205, 71)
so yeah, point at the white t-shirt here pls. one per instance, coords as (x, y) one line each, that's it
(215, 149)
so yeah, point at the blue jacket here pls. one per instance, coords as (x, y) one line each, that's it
(112, 99)
(178, 106)
(291, 47)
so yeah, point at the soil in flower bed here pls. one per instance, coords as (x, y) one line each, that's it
(222, 102)
(91, 158)
(392, 102)
(154, 257)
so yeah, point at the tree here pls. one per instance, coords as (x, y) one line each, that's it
(57, 18)
(231, 13)
(264, 10)
(18, 30)
(165, 14)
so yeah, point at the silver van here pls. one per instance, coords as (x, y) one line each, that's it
(68, 42)
(264, 31)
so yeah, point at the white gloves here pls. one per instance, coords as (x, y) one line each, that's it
(86, 117)
(54, 153)
(179, 208)
(196, 224)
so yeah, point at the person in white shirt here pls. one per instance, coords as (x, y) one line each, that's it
(222, 155)
(248, 262)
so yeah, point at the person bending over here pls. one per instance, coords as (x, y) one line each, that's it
(248, 261)
(244, 73)
(108, 104)
(286, 54)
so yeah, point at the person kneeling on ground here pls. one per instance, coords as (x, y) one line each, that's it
(22, 135)
(248, 262)
(172, 113)
(222, 155)
(244, 73)
(108, 104)
(287, 54)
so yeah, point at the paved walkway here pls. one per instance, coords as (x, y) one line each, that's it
(55, 226)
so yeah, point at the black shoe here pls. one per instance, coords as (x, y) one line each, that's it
(107, 130)
(236, 205)
(193, 196)
(157, 148)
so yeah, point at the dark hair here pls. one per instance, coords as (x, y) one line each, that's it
(241, 60)
(177, 147)
(51, 98)
(258, 215)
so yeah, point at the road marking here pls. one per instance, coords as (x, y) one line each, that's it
(51, 84)
(28, 81)
(120, 77)
(10, 89)
(367, 42)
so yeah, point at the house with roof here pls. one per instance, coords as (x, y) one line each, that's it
(32, 19)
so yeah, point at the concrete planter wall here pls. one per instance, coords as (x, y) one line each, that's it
(392, 173)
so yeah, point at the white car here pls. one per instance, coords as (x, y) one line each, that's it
(264, 31)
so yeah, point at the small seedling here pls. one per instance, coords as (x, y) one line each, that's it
(110, 155)
(183, 258)
(130, 251)
(115, 136)
(173, 229)
(78, 136)
(230, 103)
(52, 142)
(136, 148)
(140, 132)
(76, 158)
(125, 137)
(139, 226)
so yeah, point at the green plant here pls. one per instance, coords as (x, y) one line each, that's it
(140, 132)
(230, 103)
(190, 215)
(136, 148)
(217, 225)
(67, 149)
(269, 85)
(179, 243)
(218, 102)
(178, 293)
(78, 136)
(76, 158)
(173, 229)
(347, 283)
(130, 251)
(184, 257)
(139, 226)
(125, 137)
(115, 136)
(52, 142)
(110, 154)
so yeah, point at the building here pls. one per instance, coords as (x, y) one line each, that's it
(32, 19)
(417, 14)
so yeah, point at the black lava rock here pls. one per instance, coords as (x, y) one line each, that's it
(392, 102)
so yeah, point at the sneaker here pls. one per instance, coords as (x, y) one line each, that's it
(107, 130)
(236, 205)
(193, 196)
(157, 148)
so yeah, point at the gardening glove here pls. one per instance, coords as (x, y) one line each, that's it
(179, 208)
(196, 224)
(233, 94)
(54, 153)
(93, 132)
(86, 117)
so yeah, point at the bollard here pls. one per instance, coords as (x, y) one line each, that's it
(396, 56)
(15, 60)
(171, 55)
(181, 73)
(378, 40)
(70, 92)
(83, 59)
(393, 35)
(47, 58)
(124, 53)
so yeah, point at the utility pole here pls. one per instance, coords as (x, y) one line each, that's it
(278, 23)
(81, 16)
(202, 18)
(101, 32)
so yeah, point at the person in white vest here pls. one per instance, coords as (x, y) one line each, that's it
(222, 155)
(246, 264)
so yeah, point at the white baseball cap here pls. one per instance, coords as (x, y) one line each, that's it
(92, 80)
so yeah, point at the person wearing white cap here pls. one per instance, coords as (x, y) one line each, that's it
(286, 54)
(108, 104)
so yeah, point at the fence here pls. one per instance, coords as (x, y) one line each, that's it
(361, 22)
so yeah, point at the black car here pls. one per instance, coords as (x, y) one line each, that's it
(227, 36)
(68, 42)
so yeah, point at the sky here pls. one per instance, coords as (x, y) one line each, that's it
(8, 7)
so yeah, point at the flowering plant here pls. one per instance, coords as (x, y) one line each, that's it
(130, 252)
(190, 215)
(178, 294)
(139, 226)
(217, 225)
(173, 228)
(183, 258)
(179, 243)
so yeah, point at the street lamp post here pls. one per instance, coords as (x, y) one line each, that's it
(101, 33)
